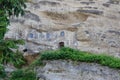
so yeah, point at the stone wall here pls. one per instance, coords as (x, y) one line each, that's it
(68, 70)
(88, 25)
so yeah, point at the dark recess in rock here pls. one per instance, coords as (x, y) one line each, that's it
(113, 31)
(48, 2)
(87, 3)
(113, 44)
(25, 50)
(106, 4)
(91, 11)
(29, 15)
(87, 32)
(41, 77)
(36, 5)
(113, 2)
(95, 7)
(17, 20)
(88, 7)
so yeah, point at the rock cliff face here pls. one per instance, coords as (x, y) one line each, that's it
(88, 25)
(68, 70)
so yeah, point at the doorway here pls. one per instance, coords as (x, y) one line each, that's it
(61, 44)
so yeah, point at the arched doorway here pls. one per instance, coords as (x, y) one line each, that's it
(61, 44)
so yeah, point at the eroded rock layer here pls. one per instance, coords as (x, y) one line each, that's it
(88, 25)
(68, 70)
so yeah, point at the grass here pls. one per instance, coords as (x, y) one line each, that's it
(76, 55)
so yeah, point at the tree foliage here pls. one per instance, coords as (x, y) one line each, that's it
(7, 54)
(2, 72)
(9, 8)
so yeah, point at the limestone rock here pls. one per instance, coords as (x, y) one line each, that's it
(9, 68)
(68, 70)
(88, 25)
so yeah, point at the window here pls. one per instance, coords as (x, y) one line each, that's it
(75, 43)
(48, 35)
(40, 35)
(62, 33)
(31, 35)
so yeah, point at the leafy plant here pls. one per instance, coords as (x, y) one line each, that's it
(7, 54)
(9, 8)
(37, 62)
(2, 72)
(23, 75)
(75, 55)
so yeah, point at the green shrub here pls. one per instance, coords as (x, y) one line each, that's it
(23, 75)
(37, 62)
(75, 55)
(16, 59)
(2, 72)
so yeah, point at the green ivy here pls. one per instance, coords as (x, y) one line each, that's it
(66, 53)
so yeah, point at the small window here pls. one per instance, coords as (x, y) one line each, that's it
(62, 33)
(48, 35)
(31, 35)
(40, 35)
(75, 43)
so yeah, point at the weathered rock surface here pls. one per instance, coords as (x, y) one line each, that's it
(68, 70)
(9, 68)
(88, 25)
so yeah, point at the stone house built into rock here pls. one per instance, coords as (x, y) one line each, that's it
(50, 40)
